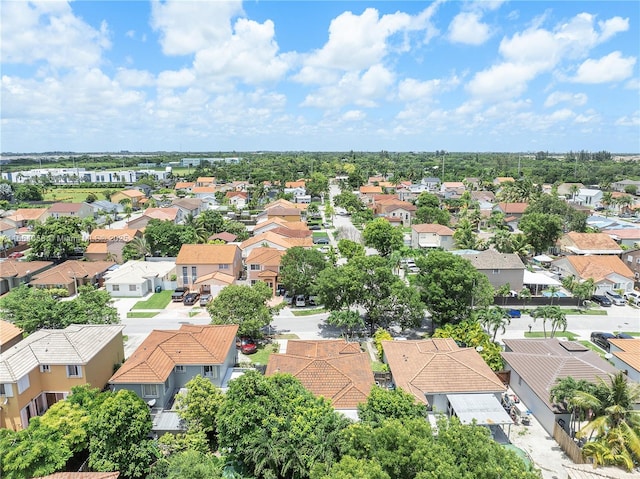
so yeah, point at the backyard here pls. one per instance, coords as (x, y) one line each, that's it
(74, 195)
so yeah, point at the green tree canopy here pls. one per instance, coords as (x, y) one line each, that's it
(470, 334)
(199, 405)
(349, 248)
(383, 404)
(165, 238)
(25, 192)
(56, 238)
(299, 269)
(243, 305)
(541, 229)
(383, 236)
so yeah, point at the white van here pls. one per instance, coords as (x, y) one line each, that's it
(300, 300)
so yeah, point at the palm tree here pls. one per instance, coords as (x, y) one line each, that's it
(544, 313)
(553, 291)
(616, 424)
(141, 246)
(558, 320)
(5, 242)
(493, 319)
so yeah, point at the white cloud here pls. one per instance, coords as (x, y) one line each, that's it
(176, 79)
(611, 68)
(353, 115)
(467, 28)
(612, 26)
(130, 34)
(134, 78)
(631, 120)
(505, 80)
(575, 99)
(50, 32)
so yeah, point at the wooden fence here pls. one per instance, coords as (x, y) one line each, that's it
(568, 445)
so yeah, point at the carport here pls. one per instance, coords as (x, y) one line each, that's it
(485, 410)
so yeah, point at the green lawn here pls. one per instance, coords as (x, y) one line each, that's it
(320, 234)
(595, 312)
(593, 347)
(156, 301)
(262, 356)
(140, 315)
(308, 312)
(74, 195)
(559, 334)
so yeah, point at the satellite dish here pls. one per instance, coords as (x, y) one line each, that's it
(479, 349)
(151, 402)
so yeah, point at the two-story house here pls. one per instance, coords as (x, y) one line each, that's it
(237, 199)
(631, 259)
(273, 240)
(588, 244)
(107, 244)
(172, 214)
(195, 261)
(395, 209)
(135, 197)
(41, 369)
(188, 206)
(432, 236)
(263, 264)
(500, 268)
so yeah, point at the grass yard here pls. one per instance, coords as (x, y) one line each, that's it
(559, 334)
(140, 314)
(156, 301)
(74, 195)
(308, 312)
(262, 356)
(595, 312)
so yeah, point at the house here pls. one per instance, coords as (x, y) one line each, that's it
(452, 189)
(42, 368)
(14, 273)
(10, 335)
(207, 194)
(535, 366)
(511, 209)
(72, 210)
(104, 207)
(366, 193)
(447, 378)
(620, 186)
(185, 186)
(195, 261)
(71, 274)
(23, 216)
(287, 214)
(273, 240)
(107, 245)
(609, 273)
(631, 260)
(394, 208)
(204, 181)
(626, 357)
(588, 197)
(167, 359)
(432, 236)
(334, 369)
(136, 279)
(224, 236)
(263, 264)
(188, 206)
(278, 223)
(500, 268)
(293, 232)
(588, 244)
(629, 237)
(499, 180)
(567, 190)
(163, 214)
(430, 184)
(9, 230)
(237, 199)
(135, 197)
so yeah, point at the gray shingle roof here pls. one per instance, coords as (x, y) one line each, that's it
(491, 259)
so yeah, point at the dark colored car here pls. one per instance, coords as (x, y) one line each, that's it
(624, 336)
(315, 227)
(178, 295)
(321, 240)
(601, 300)
(601, 339)
(191, 298)
(246, 345)
(514, 313)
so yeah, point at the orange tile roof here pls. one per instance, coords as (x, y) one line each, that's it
(162, 213)
(368, 190)
(277, 239)
(453, 184)
(123, 235)
(513, 208)
(216, 277)
(207, 254)
(598, 267)
(292, 232)
(97, 248)
(184, 185)
(8, 332)
(17, 269)
(153, 361)
(206, 179)
(232, 194)
(64, 273)
(295, 184)
(203, 189)
(133, 193)
(339, 372)
(433, 228)
(626, 233)
(62, 207)
(27, 214)
(265, 256)
(630, 353)
(282, 211)
(438, 366)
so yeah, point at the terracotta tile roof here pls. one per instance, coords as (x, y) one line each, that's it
(153, 361)
(453, 184)
(133, 193)
(64, 273)
(280, 202)
(5, 226)
(8, 332)
(206, 179)
(626, 233)
(282, 211)
(433, 228)
(162, 213)
(123, 235)
(630, 353)
(541, 362)
(97, 248)
(598, 267)
(295, 184)
(217, 277)
(339, 372)
(18, 269)
(513, 208)
(438, 366)
(81, 475)
(224, 236)
(277, 239)
(384, 197)
(61, 207)
(184, 185)
(369, 190)
(391, 205)
(203, 189)
(27, 214)
(232, 194)
(207, 254)
(291, 232)
(265, 256)
(590, 242)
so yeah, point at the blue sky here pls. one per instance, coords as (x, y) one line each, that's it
(327, 75)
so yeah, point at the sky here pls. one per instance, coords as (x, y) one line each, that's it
(187, 76)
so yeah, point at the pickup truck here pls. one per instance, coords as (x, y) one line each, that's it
(178, 294)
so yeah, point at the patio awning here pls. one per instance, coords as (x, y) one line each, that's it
(543, 258)
(540, 279)
(484, 408)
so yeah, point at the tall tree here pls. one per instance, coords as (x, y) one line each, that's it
(493, 319)
(56, 238)
(383, 236)
(243, 305)
(299, 269)
(199, 405)
(383, 404)
(165, 238)
(541, 229)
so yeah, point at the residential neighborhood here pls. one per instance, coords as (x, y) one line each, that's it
(346, 290)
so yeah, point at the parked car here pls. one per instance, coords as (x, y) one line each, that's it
(204, 299)
(514, 313)
(315, 227)
(178, 295)
(16, 255)
(321, 240)
(288, 298)
(313, 300)
(246, 345)
(601, 299)
(633, 297)
(615, 298)
(601, 339)
(301, 301)
(624, 336)
(191, 298)
(326, 225)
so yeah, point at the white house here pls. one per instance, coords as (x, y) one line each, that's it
(138, 278)
(588, 197)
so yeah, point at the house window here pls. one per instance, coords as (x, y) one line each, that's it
(185, 275)
(255, 267)
(223, 266)
(495, 271)
(617, 286)
(210, 371)
(74, 371)
(253, 281)
(150, 391)
(115, 287)
(638, 260)
(132, 287)
(45, 368)
(180, 369)
(630, 259)
(23, 384)
(6, 390)
(194, 274)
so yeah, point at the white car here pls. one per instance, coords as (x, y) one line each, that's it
(615, 298)
(633, 297)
